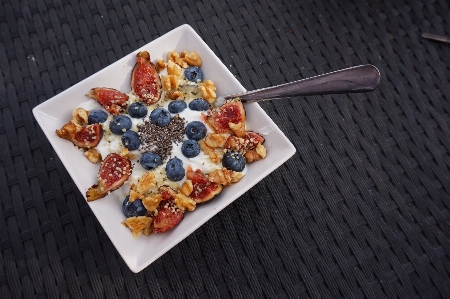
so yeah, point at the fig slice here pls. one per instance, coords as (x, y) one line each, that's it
(145, 81)
(218, 119)
(203, 189)
(114, 101)
(167, 217)
(83, 137)
(242, 144)
(113, 172)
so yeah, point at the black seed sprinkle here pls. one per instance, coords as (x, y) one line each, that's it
(159, 139)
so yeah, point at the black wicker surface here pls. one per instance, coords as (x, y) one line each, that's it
(360, 211)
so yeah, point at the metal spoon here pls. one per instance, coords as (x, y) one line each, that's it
(360, 78)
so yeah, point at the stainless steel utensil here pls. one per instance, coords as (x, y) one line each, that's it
(360, 78)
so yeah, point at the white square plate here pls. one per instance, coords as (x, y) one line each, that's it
(140, 252)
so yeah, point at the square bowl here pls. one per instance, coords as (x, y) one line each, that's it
(140, 252)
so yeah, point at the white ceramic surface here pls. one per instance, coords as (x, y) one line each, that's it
(140, 252)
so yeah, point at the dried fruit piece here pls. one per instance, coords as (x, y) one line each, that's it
(114, 101)
(219, 119)
(167, 217)
(245, 143)
(113, 172)
(84, 137)
(145, 81)
(203, 189)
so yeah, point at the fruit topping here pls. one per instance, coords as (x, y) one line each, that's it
(193, 74)
(190, 148)
(242, 144)
(113, 172)
(174, 169)
(97, 116)
(177, 106)
(120, 124)
(145, 81)
(233, 161)
(130, 140)
(137, 110)
(196, 130)
(111, 99)
(219, 119)
(168, 216)
(133, 209)
(202, 188)
(83, 137)
(199, 105)
(150, 160)
(160, 117)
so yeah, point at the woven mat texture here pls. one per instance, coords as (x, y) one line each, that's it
(360, 211)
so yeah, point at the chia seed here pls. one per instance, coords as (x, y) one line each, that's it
(159, 140)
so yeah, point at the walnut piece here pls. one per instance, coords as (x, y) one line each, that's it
(187, 188)
(93, 155)
(152, 202)
(207, 89)
(173, 68)
(174, 95)
(135, 195)
(175, 57)
(261, 150)
(224, 176)
(183, 202)
(146, 182)
(238, 129)
(209, 151)
(139, 225)
(80, 116)
(160, 65)
(215, 140)
(192, 58)
(169, 82)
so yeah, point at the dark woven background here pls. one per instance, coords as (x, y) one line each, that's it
(361, 210)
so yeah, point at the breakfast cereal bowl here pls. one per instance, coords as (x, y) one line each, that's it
(140, 252)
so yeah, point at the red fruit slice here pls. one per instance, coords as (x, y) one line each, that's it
(248, 142)
(114, 171)
(114, 101)
(145, 81)
(203, 189)
(84, 137)
(168, 216)
(219, 118)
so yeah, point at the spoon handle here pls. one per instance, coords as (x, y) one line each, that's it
(360, 78)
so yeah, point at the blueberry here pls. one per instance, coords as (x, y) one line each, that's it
(174, 169)
(233, 161)
(120, 124)
(130, 140)
(137, 110)
(150, 160)
(196, 130)
(160, 117)
(190, 148)
(133, 209)
(199, 105)
(177, 106)
(193, 74)
(97, 116)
